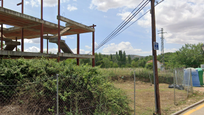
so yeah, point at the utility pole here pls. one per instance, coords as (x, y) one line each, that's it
(154, 53)
(2, 3)
(162, 45)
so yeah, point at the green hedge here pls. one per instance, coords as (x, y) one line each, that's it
(79, 87)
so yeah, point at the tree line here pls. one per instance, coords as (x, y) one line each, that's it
(189, 55)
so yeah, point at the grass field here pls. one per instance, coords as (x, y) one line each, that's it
(145, 103)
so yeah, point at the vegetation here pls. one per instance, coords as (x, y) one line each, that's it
(142, 74)
(79, 87)
(189, 55)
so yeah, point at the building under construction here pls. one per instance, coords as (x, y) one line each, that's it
(25, 26)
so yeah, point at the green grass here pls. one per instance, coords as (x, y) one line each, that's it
(140, 73)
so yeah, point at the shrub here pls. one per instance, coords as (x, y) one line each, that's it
(79, 87)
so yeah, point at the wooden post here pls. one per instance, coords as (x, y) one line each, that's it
(17, 45)
(41, 32)
(2, 5)
(93, 47)
(78, 47)
(154, 53)
(59, 37)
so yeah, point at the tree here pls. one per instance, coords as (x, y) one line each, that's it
(129, 59)
(190, 55)
(141, 62)
(149, 66)
(111, 57)
(120, 58)
(115, 65)
(134, 64)
(85, 61)
(124, 58)
(136, 59)
(106, 62)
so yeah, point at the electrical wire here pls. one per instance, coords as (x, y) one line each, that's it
(125, 23)
(118, 30)
(121, 23)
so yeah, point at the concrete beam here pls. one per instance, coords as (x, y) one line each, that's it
(61, 32)
(12, 43)
(25, 54)
(69, 55)
(19, 28)
(11, 54)
(71, 22)
(27, 17)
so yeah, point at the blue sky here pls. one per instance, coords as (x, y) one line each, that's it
(181, 19)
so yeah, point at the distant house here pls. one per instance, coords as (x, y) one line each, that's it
(159, 64)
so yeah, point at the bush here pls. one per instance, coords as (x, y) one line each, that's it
(79, 87)
(149, 66)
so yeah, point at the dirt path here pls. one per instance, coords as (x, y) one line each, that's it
(199, 89)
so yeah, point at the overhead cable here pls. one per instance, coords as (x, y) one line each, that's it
(125, 22)
(120, 29)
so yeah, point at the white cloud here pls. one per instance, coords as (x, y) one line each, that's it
(46, 3)
(52, 50)
(82, 51)
(105, 5)
(168, 50)
(33, 3)
(32, 49)
(36, 41)
(64, 37)
(36, 49)
(182, 19)
(71, 37)
(124, 15)
(4, 26)
(71, 8)
(125, 46)
(96, 45)
(88, 47)
(27, 2)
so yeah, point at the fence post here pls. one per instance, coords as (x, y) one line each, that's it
(189, 82)
(150, 80)
(57, 95)
(174, 88)
(134, 92)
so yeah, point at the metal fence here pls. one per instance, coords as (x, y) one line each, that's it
(51, 96)
(55, 95)
(182, 83)
(26, 97)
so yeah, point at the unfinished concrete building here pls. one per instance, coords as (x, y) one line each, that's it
(25, 26)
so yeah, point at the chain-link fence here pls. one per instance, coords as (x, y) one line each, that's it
(61, 95)
(47, 97)
(75, 98)
(72, 95)
(27, 97)
(182, 85)
(175, 87)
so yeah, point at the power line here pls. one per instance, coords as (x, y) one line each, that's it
(108, 39)
(138, 18)
(124, 24)
(124, 21)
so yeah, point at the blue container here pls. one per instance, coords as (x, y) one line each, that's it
(195, 77)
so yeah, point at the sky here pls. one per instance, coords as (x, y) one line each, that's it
(181, 19)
